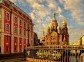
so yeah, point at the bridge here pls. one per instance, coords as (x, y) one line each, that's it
(59, 53)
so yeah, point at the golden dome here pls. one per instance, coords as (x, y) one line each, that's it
(64, 22)
(54, 23)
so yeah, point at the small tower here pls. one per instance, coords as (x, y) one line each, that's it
(54, 23)
(64, 33)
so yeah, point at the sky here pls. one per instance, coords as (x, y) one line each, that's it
(41, 12)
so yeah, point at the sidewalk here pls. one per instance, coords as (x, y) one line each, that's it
(13, 60)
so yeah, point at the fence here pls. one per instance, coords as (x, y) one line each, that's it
(65, 53)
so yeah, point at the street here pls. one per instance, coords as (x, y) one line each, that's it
(13, 60)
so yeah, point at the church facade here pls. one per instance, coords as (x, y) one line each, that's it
(56, 35)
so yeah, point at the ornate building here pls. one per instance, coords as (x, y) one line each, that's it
(56, 35)
(16, 28)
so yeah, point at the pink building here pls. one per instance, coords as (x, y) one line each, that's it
(16, 28)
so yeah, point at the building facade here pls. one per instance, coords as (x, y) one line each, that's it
(56, 35)
(16, 28)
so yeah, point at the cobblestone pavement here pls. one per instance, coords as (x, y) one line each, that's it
(13, 60)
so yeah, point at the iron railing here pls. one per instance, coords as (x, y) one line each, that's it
(64, 53)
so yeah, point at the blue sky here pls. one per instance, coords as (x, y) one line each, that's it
(41, 12)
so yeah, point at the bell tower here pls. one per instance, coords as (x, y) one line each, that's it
(64, 33)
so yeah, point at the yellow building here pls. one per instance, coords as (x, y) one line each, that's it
(56, 35)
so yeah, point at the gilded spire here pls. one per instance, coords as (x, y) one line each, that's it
(54, 16)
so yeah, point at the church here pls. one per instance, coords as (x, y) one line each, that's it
(56, 35)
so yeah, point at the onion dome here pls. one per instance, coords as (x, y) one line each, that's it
(64, 22)
(54, 23)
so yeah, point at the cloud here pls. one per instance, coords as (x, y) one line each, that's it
(41, 13)
(38, 9)
(21, 2)
(52, 5)
(12, 0)
(48, 19)
(32, 15)
(59, 10)
(74, 7)
(75, 34)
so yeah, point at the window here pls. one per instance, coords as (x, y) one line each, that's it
(24, 32)
(24, 28)
(20, 44)
(15, 30)
(15, 20)
(28, 30)
(15, 44)
(51, 43)
(7, 26)
(28, 27)
(24, 25)
(20, 32)
(7, 16)
(20, 22)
